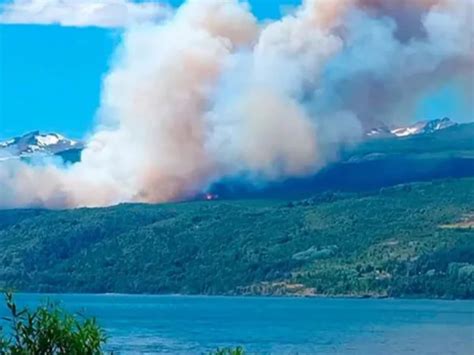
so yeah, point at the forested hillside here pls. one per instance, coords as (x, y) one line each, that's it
(408, 240)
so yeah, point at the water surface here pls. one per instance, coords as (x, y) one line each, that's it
(196, 325)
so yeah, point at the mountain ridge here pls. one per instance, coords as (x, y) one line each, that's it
(36, 142)
(376, 162)
(418, 128)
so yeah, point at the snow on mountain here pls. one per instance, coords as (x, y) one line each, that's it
(37, 143)
(6, 143)
(422, 127)
(417, 128)
(379, 132)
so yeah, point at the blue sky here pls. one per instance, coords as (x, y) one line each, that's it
(50, 76)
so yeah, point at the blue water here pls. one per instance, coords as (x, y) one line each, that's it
(195, 325)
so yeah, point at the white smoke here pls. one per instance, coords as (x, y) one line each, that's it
(212, 93)
(81, 13)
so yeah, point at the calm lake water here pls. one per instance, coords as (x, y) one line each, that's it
(195, 325)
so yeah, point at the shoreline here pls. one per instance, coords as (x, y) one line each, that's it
(229, 296)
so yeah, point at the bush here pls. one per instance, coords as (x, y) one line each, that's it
(48, 330)
(229, 351)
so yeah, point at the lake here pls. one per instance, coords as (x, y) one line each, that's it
(195, 325)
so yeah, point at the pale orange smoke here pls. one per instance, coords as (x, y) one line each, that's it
(211, 93)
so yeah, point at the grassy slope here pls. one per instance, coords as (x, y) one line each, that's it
(392, 242)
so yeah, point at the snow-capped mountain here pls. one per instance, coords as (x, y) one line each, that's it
(422, 127)
(34, 143)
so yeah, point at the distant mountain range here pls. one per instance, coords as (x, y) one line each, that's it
(424, 151)
(422, 127)
(37, 143)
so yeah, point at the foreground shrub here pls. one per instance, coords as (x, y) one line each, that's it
(229, 351)
(48, 330)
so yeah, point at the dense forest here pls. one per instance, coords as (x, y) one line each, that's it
(413, 240)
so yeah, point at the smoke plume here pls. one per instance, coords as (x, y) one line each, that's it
(211, 93)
